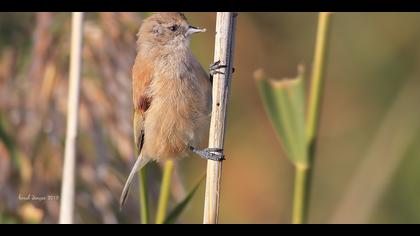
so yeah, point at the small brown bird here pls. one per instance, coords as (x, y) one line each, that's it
(171, 93)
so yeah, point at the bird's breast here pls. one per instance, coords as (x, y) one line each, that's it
(178, 114)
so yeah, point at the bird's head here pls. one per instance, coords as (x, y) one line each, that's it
(167, 29)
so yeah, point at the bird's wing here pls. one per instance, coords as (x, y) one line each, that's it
(142, 75)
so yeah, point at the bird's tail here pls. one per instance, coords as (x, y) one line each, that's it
(140, 163)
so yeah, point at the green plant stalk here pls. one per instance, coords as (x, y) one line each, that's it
(303, 173)
(300, 195)
(144, 205)
(318, 70)
(165, 192)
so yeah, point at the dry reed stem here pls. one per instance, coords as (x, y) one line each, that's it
(224, 44)
(68, 184)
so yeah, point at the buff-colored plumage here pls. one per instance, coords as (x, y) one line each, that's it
(171, 92)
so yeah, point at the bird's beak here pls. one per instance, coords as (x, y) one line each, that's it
(193, 30)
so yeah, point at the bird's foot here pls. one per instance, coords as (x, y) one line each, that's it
(214, 154)
(214, 68)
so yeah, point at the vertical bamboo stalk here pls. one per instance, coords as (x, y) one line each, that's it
(68, 182)
(224, 44)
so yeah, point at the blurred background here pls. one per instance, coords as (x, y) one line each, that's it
(368, 151)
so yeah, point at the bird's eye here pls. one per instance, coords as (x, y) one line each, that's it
(173, 28)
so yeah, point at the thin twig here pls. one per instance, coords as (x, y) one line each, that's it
(68, 184)
(224, 44)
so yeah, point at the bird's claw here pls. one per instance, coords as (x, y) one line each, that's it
(214, 154)
(214, 68)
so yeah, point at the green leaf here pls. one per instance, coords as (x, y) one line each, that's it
(178, 209)
(284, 101)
